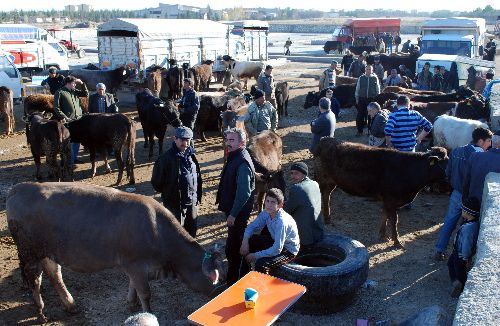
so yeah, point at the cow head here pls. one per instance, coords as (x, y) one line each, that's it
(465, 92)
(213, 266)
(228, 119)
(185, 66)
(208, 62)
(438, 159)
(172, 62)
(473, 108)
(169, 112)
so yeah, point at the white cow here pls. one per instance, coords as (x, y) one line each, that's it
(451, 132)
(243, 70)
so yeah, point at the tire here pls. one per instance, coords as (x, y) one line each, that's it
(80, 53)
(332, 271)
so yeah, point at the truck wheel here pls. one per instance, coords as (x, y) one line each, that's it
(80, 53)
(332, 271)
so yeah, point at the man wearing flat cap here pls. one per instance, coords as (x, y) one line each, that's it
(261, 116)
(304, 204)
(176, 174)
(265, 82)
(329, 76)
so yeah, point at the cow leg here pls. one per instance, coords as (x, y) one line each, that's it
(151, 145)
(383, 224)
(161, 136)
(121, 166)
(51, 160)
(286, 107)
(53, 271)
(107, 168)
(37, 160)
(92, 159)
(260, 201)
(32, 272)
(392, 216)
(9, 124)
(139, 281)
(132, 301)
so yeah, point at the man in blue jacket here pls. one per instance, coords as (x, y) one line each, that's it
(189, 104)
(324, 124)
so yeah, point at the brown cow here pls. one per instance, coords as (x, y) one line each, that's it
(387, 175)
(7, 108)
(155, 80)
(45, 103)
(430, 110)
(345, 80)
(202, 75)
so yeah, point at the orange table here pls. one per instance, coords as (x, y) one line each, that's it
(228, 308)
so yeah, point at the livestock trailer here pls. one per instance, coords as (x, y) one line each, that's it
(140, 43)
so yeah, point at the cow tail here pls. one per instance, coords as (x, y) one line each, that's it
(131, 151)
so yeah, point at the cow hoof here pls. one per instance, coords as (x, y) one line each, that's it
(72, 310)
(108, 171)
(398, 245)
(42, 318)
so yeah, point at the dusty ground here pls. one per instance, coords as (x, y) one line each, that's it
(407, 281)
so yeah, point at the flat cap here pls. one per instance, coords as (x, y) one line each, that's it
(258, 94)
(183, 132)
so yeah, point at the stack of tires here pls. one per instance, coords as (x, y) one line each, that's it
(332, 271)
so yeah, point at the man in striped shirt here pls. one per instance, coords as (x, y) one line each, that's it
(402, 126)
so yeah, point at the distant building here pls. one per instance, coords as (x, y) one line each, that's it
(173, 11)
(71, 8)
(84, 8)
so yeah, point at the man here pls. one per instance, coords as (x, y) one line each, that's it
(402, 126)
(304, 204)
(54, 81)
(437, 80)
(265, 82)
(393, 79)
(455, 171)
(189, 104)
(406, 46)
(367, 88)
(176, 174)
(381, 45)
(358, 67)
(389, 40)
(235, 197)
(288, 43)
(378, 69)
(397, 41)
(478, 166)
(102, 102)
(328, 77)
(347, 60)
(261, 115)
(324, 124)
(278, 243)
(142, 319)
(67, 106)
(424, 78)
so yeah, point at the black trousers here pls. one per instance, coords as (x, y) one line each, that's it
(262, 241)
(187, 217)
(457, 268)
(362, 119)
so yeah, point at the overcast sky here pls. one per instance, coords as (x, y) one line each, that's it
(421, 5)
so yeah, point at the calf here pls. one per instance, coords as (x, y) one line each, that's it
(451, 132)
(7, 108)
(387, 175)
(98, 131)
(45, 103)
(113, 79)
(202, 75)
(155, 115)
(282, 94)
(474, 108)
(49, 138)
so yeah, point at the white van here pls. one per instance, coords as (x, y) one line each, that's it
(9, 76)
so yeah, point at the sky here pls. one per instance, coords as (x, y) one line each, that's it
(422, 5)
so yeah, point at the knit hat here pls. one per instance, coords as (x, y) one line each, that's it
(472, 206)
(301, 167)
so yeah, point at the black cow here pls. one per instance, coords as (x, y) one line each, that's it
(343, 93)
(474, 108)
(282, 94)
(463, 93)
(382, 98)
(155, 115)
(113, 79)
(393, 61)
(98, 131)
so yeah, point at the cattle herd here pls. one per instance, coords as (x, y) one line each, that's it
(357, 169)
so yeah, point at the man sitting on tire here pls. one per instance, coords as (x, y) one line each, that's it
(278, 242)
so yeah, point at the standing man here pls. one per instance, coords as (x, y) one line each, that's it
(54, 81)
(265, 82)
(478, 166)
(235, 197)
(176, 174)
(324, 124)
(261, 115)
(367, 88)
(455, 171)
(67, 106)
(288, 43)
(328, 77)
(102, 102)
(304, 204)
(347, 59)
(424, 78)
(402, 126)
(397, 41)
(189, 104)
(389, 42)
(437, 80)
(378, 69)
(358, 67)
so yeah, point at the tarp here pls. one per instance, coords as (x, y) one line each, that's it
(166, 28)
(374, 25)
(20, 32)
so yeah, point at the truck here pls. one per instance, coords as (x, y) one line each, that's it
(10, 76)
(454, 36)
(362, 27)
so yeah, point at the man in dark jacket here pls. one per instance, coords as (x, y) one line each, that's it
(367, 88)
(102, 102)
(189, 104)
(304, 204)
(54, 81)
(347, 59)
(176, 174)
(235, 197)
(358, 67)
(324, 124)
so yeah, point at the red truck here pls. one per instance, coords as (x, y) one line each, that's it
(361, 27)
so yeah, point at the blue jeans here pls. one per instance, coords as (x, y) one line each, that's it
(450, 221)
(75, 147)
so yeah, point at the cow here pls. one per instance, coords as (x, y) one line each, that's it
(281, 92)
(202, 75)
(154, 80)
(430, 110)
(343, 93)
(100, 131)
(89, 228)
(393, 61)
(451, 132)
(7, 108)
(474, 108)
(242, 69)
(155, 115)
(345, 80)
(49, 138)
(113, 79)
(462, 93)
(266, 151)
(386, 175)
(211, 107)
(383, 98)
(45, 103)
(174, 80)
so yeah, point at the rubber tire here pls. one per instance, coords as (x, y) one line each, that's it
(80, 53)
(331, 288)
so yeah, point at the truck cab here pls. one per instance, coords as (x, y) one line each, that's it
(10, 77)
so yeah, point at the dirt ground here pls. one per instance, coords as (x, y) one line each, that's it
(406, 281)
